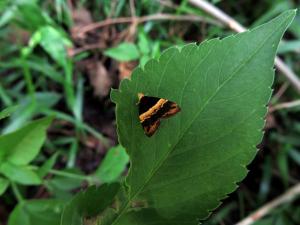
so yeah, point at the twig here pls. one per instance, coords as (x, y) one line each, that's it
(218, 14)
(167, 4)
(285, 105)
(171, 5)
(288, 73)
(73, 52)
(234, 25)
(281, 91)
(288, 196)
(132, 8)
(143, 19)
(70, 6)
(291, 179)
(131, 31)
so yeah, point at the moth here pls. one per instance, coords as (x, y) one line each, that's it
(152, 110)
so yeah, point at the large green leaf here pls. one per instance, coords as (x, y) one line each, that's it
(196, 157)
(22, 146)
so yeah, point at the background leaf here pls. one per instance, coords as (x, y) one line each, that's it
(22, 146)
(30, 16)
(8, 111)
(113, 165)
(26, 110)
(54, 43)
(47, 166)
(196, 157)
(37, 212)
(61, 186)
(4, 183)
(21, 174)
(89, 203)
(123, 52)
(289, 46)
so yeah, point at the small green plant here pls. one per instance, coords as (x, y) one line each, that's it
(19, 149)
(129, 51)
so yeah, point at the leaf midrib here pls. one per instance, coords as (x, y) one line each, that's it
(18, 145)
(192, 121)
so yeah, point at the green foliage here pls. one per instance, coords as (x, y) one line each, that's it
(144, 50)
(54, 42)
(123, 52)
(20, 173)
(47, 166)
(4, 183)
(7, 112)
(30, 16)
(26, 14)
(22, 146)
(18, 149)
(295, 155)
(37, 212)
(289, 46)
(27, 109)
(197, 156)
(112, 165)
(149, 49)
(89, 203)
(64, 183)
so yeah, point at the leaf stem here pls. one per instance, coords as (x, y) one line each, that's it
(82, 125)
(72, 175)
(143, 19)
(17, 192)
(28, 79)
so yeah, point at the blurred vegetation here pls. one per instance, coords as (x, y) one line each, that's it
(53, 62)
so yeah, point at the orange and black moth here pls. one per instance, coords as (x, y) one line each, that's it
(152, 110)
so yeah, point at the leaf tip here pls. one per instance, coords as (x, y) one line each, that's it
(46, 121)
(288, 16)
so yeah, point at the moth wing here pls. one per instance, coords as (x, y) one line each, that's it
(151, 129)
(174, 108)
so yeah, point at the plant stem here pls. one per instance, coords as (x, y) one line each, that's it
(82, 125)
(234, 25)
(4, 96)
(17, 192)
(28, 79)
(285, 105)
(143, 19)
(72, 175)
(73, 152)
(288, 196)
(68, 85)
